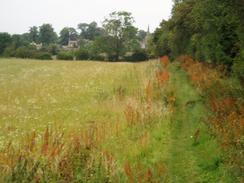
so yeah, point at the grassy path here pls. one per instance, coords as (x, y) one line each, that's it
(193, 153)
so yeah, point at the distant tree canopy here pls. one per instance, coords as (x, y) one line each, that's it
(205, 29)
(66, 34)
(34, 34)
(116, 39)
(142, 35)
(90, 31)
(5, 40)
(123, 35)
(47, 34)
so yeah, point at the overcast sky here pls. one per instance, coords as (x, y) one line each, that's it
(16, 16)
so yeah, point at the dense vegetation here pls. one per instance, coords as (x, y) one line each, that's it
(207, 38)
(117, 39)
(210, 31)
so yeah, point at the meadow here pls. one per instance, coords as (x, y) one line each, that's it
(63, 121)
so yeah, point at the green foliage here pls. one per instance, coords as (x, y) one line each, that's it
(238, 67)
(19, 40)
(66, 34)
(25, 52)
(53, 49)
(98, 57)
(47, 34)
(122, 33)
(141, 35)
(42, 55)
(82, 54)
(205, 29)
(138, 55)
(34, 34)
(90, 31)
(5, 40)
(112, 42)
(65, 55)
(9, 51)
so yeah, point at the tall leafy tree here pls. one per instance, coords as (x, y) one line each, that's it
(141, 35)
(66, 34)
(34, 34)
(119, 26)
(5, 40)
(19, 40)
(47, 34)
(90, 31)
(205, 29)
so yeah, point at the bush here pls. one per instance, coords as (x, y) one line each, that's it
(82, 55)
(25, 52)
(99, 57)
(9, 51)
(53, 49)
(112, 58)
(139, 55)
(43, 56)
(238, 68)
(65, 55)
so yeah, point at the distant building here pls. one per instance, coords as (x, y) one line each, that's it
(38, 46)
(144, 43)
(72, 45)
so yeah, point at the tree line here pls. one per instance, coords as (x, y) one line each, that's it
(116, 39)
(210, 31)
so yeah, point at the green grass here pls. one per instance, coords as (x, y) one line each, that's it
(192, 159)
(72, 96)
(35, 94)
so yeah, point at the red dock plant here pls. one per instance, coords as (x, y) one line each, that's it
(227, 108)
(164, 61)
(162, 77)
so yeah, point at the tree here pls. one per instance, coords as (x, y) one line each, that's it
(19, 40)
(141, 35)
(205, 29)
(73, 34)
(34, 34)
(5, 41)
(90, 31)
(47, 34)
(119, 26)
(66, 34)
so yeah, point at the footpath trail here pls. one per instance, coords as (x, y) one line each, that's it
(193, 154)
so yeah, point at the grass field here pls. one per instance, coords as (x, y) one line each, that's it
(103, 122)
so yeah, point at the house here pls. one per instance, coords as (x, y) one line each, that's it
(146, 39)
(72, 45)
(38, 46)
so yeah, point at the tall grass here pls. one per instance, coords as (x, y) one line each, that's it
(224, 96)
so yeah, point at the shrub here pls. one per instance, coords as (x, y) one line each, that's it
(164, 60)
(112, 57)
(98, 57)
(25, 52)
(43, 56)
(9, 51)
(65, 55)
(138, 55)
(238, 68)
(82, 55)
(53, 49)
